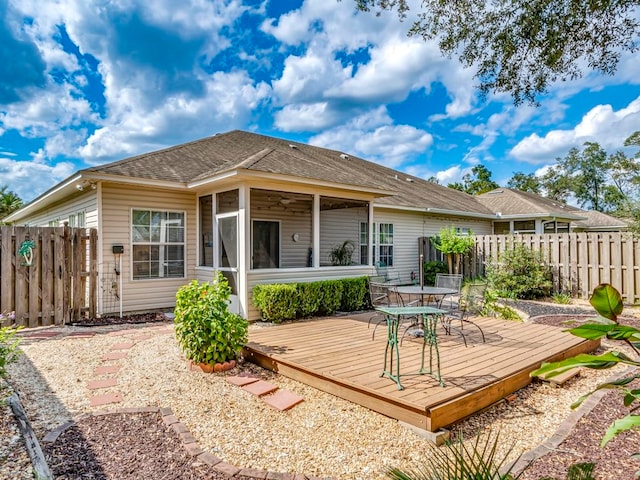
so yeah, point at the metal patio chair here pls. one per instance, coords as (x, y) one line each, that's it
(449, 280)
(472, 299)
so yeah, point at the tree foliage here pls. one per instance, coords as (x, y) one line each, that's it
(525, 182)
(9, 201)
(521, 46)
(477, 182)
(606, 183)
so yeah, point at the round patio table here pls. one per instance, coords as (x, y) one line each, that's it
(438, 293)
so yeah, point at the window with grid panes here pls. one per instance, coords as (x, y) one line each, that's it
(385, 243)
(158, 244)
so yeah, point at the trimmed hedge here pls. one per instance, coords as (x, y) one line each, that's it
(288, 301)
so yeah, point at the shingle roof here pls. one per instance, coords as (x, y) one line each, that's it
(237, 149)
(509, 201)
(599, 220)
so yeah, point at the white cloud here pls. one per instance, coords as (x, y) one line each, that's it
(29, 179)
(132, 128)
(601, 124)
(382, 142)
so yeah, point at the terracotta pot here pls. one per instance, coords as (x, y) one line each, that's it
(206, 367)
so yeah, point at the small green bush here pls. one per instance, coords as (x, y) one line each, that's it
(206, 330)
(561, 298)
(9, 351)
(520, 272)
(331, 296)
(309, 298)
(354, 294)
(430, 269)
(276, 302)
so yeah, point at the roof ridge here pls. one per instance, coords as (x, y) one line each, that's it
(254, 158)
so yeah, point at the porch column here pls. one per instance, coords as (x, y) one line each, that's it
(244, 246)
(370, 239)
(316, 231)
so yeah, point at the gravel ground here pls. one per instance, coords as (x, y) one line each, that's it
(323, 436)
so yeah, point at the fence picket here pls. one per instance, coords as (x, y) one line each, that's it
(579, 261)
(41, 293)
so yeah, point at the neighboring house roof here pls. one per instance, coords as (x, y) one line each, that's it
(510, 204)
(599, 221)
(197, 162)
(515, 204)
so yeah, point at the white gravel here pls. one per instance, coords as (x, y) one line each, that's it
(324, 435)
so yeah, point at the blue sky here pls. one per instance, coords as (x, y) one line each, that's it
(85, 82)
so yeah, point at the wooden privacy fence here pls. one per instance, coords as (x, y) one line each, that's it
(578, 261)
(51, 283)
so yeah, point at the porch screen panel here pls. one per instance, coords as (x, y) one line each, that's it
(206, 231)
(266, 244)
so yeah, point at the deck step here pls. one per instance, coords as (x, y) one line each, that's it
(559, 380)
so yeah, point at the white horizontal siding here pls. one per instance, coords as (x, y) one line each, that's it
(337, 226)
(86, 202)
(295, 218)
(409, 226)
(117, 203)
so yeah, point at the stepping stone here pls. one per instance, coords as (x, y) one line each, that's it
(144, 336)
(105, 399)
(242, 381)
(117, 333)
(106, 369)
(122, 346)
(260, 388)
(558, 380)
(114, 355)
(283, 400)
(105, 383)
(81, 335)
(41, 335)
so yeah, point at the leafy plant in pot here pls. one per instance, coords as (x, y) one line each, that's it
(342, 254)
(208, 333)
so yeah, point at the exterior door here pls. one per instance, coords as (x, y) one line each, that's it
(228, 254)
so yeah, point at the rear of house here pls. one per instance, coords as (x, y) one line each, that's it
(256, 208)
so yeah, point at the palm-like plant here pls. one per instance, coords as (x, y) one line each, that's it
(457, 461)
(9, 201)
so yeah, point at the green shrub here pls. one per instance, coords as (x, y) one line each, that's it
(287, 301)
(331, 296)
(206, 330)
(520, 272)
(309, 298)
(561, 298)
(276, 302)
(8, 348)
(354, 294)
(430, 269)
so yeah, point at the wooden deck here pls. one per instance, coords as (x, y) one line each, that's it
(338, 355)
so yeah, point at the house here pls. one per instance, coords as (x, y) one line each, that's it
(259, 209)
(526, 212)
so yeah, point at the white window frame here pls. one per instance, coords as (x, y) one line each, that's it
(385, 240)
(161, 244)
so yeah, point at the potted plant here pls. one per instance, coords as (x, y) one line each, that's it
(208, 333)
(453, 246)
(342, 254)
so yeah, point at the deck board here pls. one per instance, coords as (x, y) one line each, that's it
(338, 355)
